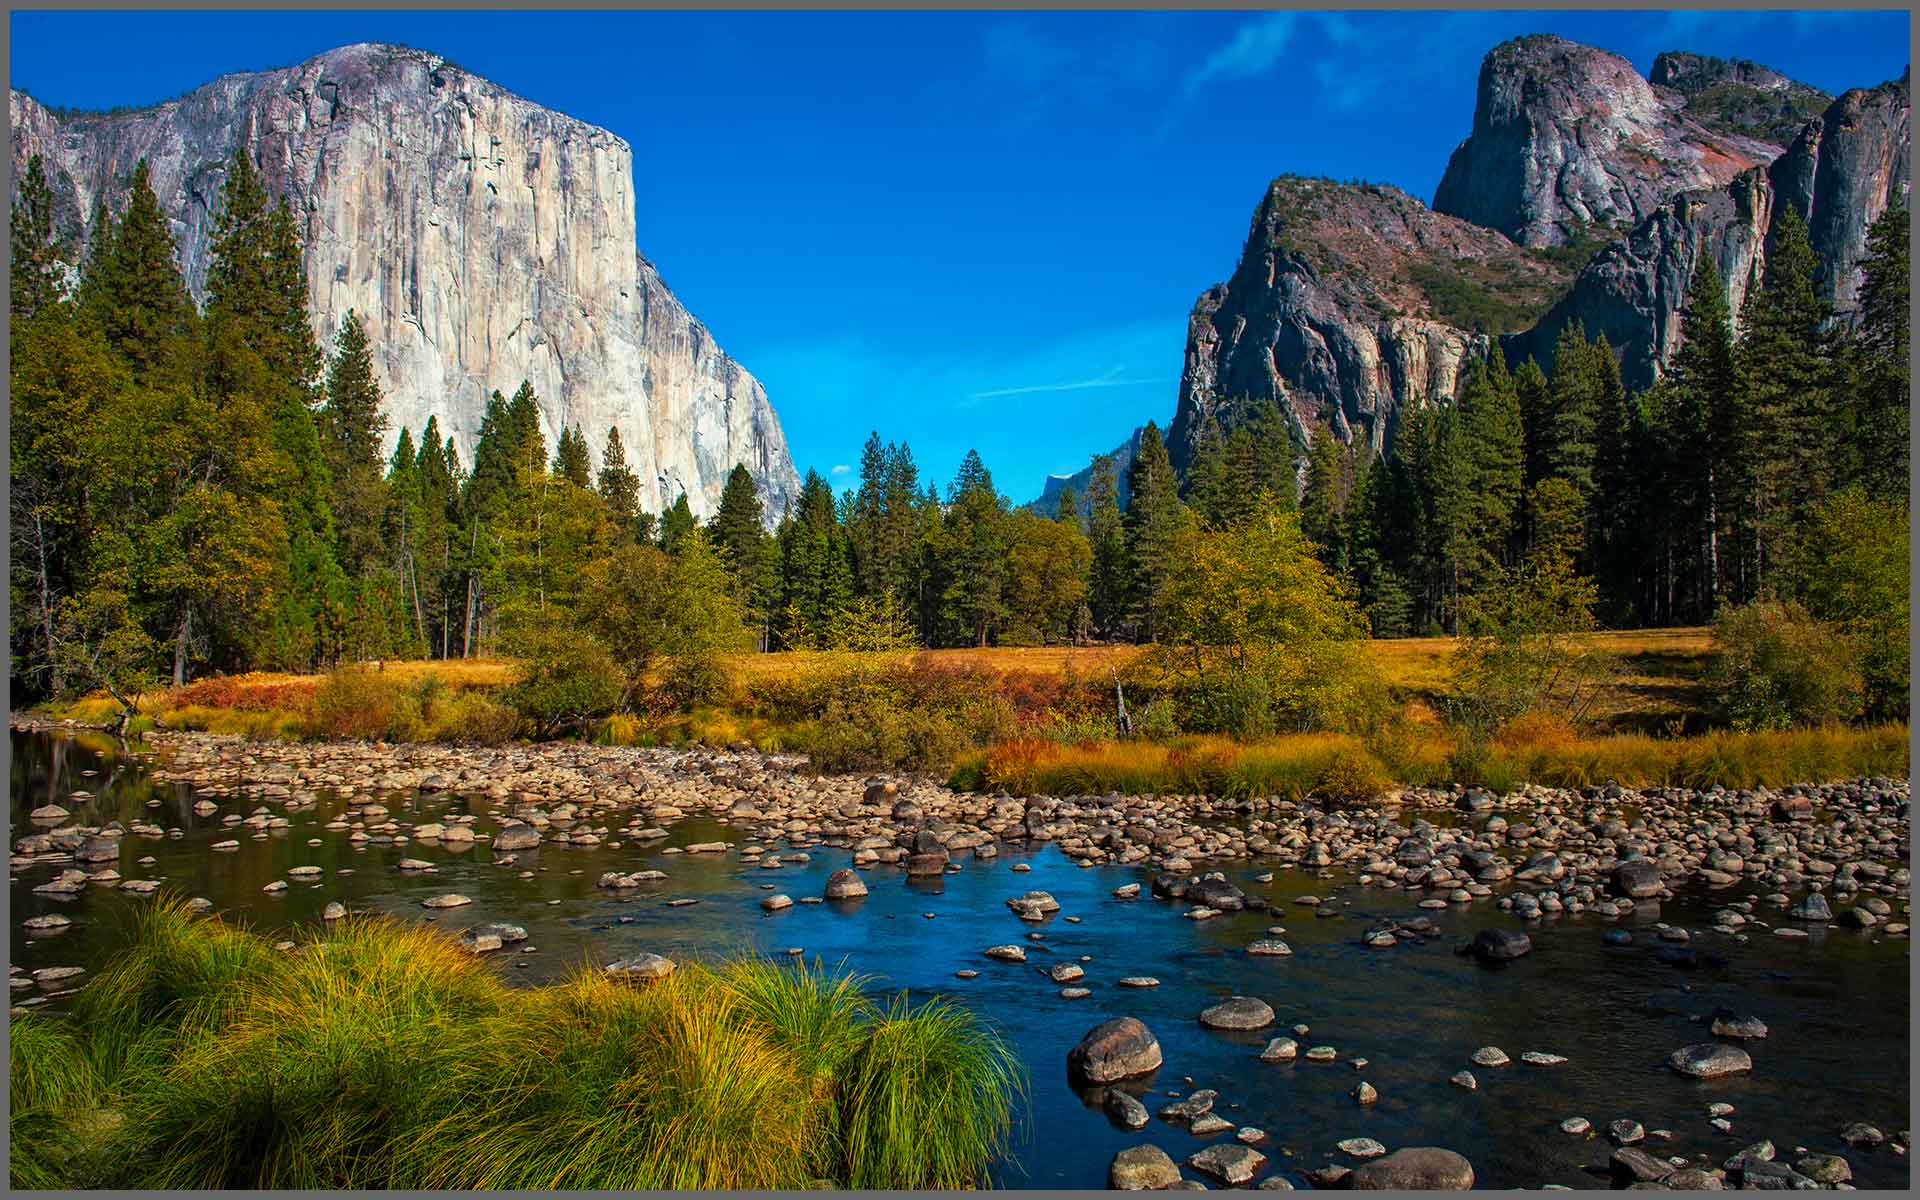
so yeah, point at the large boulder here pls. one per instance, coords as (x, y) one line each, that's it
(1637, 879)
(1709, 1060)
(1118, 1049)
(1238, 1012)
(641, 968)
(516, 837)
(1142, 1169)
(1501, 945)
(1216, 893)
(1416, 1169)
(845, 884)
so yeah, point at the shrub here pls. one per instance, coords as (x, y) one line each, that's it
(467, 715)
(357, 701)
(1519, 652)
(1353, 777)
(1155, 720)
(1775, 667)
(569, 681)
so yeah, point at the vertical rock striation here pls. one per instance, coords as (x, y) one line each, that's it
(482, 238)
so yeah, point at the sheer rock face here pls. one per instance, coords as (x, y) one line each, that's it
(1634, 290)
(1566, 137)
(1845, 169)
(1337, 312)
(482, 238)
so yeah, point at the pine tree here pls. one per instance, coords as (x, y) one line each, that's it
(525, 437)
(1573, 402)
(36, 257)
(149, 312)
(617, 484)
(493, 456)
(570, 458)
(738, 534)
(352, 426)
(1791, 424)
(975, 549)
(1066, 506)
(1883, 353)
(1155, 520)
(1106, 531)
(676, 523)
(1703, 423)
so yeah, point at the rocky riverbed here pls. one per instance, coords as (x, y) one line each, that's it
(1337, 984)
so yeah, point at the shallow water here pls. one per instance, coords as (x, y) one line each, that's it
(1837, 1003)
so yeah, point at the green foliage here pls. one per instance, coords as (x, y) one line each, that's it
(1465, 303)
(1519, 653)
(570, 680)
(1775, 667)
(1853, 572)
(1155, 523)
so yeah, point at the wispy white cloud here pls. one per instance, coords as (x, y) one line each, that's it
(1256, 46)
(1110, 379)
(840, 469)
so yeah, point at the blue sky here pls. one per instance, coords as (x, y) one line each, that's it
(963, 229)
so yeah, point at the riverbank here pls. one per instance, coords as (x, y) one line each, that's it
(375, 1054)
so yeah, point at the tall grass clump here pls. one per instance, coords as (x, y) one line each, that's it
(50, 1082)
(382, 1055)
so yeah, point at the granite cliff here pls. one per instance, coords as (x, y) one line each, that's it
(483, 239)
(1585, 191)
(1567, 138)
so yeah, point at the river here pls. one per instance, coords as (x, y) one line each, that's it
(1837, 1003)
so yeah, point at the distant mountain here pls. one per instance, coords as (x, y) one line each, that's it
(1584, 191)
(482, 238)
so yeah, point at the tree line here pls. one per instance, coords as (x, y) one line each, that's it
(203, 490)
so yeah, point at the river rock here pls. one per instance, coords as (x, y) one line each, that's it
(450, 900)
(1728, 1024)
(1280, 1049)
(1124, 1109)
(845, 884)
(1709, 1060)
(333, 911)
(1142, 1169)
(1034, 906)
(1630, 1164)
(641, 968)
(516, 837)
(1238, 1012)
(777, 902)
(1637, 879)
(1118, 1049)
(1229, 1162)
(1008, 953)
(1269, 948)
(1418, 1168)
(1812, 907)
(1501, 945)
(1825, 1168)
(1490, 1056)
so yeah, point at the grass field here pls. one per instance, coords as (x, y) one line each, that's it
(1648, 725)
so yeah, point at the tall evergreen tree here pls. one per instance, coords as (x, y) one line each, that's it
(676, 523)
(352, 426)
(36, 257)
(148, 314)
(570, 458)
(1792, 417)
(975, 555)
(1883, 379)
(1155, 520)
(1106, 531)
(1703, 425)
(617, 483)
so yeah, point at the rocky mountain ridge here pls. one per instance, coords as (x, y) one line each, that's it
(1352, 302)
(483, 239)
